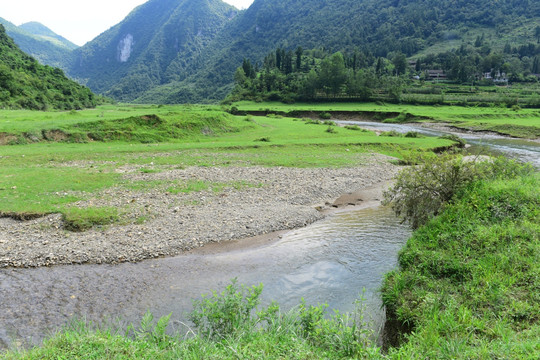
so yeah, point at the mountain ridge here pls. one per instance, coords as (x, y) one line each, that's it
(40, 42)
(152, 45)
(27, 84)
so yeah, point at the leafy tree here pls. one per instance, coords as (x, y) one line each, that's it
(400, 63)
(299, 52)
(333, 74)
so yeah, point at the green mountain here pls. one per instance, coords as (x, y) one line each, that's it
(41, 31)
(376, 27)
(154, 45)
(169, 51)
(26, 84)
(40, 42)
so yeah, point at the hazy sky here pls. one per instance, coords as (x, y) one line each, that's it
(77, 20)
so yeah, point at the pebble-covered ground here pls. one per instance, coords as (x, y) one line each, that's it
(250, 201)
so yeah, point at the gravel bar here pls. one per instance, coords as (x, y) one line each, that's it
(269, 199)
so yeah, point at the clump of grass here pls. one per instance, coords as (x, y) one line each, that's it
(325, 116)
(263, 139)
(82, 219)
(313, 122)
(413, 134)
(391, 133)
(331, 130)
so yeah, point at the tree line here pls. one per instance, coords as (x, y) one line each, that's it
(316, 74)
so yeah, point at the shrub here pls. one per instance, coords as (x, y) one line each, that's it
(220, 316)
(331, 130)
(421, 191)
(325, 116)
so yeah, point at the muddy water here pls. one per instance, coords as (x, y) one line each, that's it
(330, 262)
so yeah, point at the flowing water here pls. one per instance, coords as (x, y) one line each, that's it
(524, 150)
(330, 262)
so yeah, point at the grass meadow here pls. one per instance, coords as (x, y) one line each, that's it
(57, 158)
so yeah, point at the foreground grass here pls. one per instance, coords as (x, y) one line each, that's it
(76, 154)
(468, 284)
(524, 123)
(228, 326)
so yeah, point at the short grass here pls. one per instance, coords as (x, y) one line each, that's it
(515, 122)
(48, 176)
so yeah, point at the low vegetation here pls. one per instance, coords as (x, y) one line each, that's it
(467, 286)
(521, 123)
(230, 325)
(54, 159)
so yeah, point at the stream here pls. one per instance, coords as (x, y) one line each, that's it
(335, 261)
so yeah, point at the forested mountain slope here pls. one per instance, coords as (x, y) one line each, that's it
(40, 42)
(378, 27)
(154, 45)
(26, 84)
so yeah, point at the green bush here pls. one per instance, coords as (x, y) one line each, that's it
(221, 316)
(421, 191)
(325, 116)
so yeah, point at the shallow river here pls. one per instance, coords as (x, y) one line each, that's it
(330, 262)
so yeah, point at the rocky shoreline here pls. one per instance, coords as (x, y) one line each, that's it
(265, 200)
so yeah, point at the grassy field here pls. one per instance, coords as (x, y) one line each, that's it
(58, 158)
(523, 123)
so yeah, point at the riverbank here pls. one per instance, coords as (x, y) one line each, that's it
(250, 201)
(467, 283)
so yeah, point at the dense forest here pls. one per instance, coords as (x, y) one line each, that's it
(288, 75)
(416, 28)
(26, 84)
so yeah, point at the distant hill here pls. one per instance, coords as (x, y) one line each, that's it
(154, 45)
(41, 31)
(26, 84)
(378, 27)
(40, 42)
